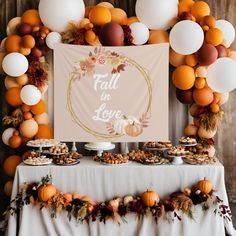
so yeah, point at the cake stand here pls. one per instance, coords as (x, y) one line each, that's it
(98, 149)
(177, 160)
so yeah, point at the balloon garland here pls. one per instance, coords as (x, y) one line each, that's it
(200, 50)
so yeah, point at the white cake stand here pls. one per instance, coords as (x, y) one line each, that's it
(98, 149)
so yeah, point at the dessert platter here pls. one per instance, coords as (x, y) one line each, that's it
(159, 145)
(177, 153)
(67, 159)
(35, 159)
(137, 154)
(200, 159)
(59, 149)
(154, 160)
(187, 141)
(42, 143)
(109, 158)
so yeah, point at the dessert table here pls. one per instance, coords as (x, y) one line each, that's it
(103, 182)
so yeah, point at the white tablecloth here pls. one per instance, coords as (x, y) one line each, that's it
(103, 182)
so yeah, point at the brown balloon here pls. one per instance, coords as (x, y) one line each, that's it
(24, 29)
(185, 96)
(222, 51)
(185, 16)
(207, 54)
(111, 34)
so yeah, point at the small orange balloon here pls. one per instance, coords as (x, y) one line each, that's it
(158, 36)
(176, 59)
(10, 164)
(39, 108)
(209, 21)
(217, 97)
(44, 131)
(183, 77)
(25, 51)
(27, 115)
(118, 16)
(31, 17)
(132, 20)
(215, 108)
(13, 43)
(184, 6)
(90, 36)
(214, 36)
(200, 9)
(13, 96)
(99, 15)
(191, 60)
(22, 79)
(84, 22)
(15, 141)
(28, 41)
(25, 108)
(203, 97)
(200, 83)
(8, 188)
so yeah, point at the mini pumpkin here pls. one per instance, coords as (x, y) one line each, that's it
(205, 186)
(150, 198)
(128, 199)
(134, 129)
(68, 197)
(187, 191)
(46, 192)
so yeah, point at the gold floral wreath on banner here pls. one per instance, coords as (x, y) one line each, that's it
(87, 67)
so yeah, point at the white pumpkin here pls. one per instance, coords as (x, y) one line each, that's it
(120, 124)
(128, 199)
(133, 119)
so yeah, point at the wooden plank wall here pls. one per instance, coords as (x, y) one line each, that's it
(226, 136)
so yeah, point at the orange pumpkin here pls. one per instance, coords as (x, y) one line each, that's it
(205, 186)
(76, 196)
(150, 198)
(46, 192)
(68, 197)
(10, 164)
(134, 129)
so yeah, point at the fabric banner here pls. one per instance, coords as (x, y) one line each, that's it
(117, 94)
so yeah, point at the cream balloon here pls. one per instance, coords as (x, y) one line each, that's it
(224, 98)
(140, 33)
(57, 14)
(201, 71)
(7, 133)
(10, 82)
(233, 55)
(15, 64)
(2, 45)
(30, 94)
(227, 29)
(221, 75)
(156, 14)
(29, 128)
(105, 4)
(42, 118)
(186, 37)
(12, 25)
(52, 39)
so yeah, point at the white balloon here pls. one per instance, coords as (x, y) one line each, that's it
(52, 39)
(186, 37)
(140, 33)
(7, 133)
(12, 25)
(30, 94)
(157, 14)
(221, 75)
(227, 29)
(42, 118)
(56, 14)
(15, 64)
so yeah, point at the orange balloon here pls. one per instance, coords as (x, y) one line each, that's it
(158, 36)
(10, 164)
(183, 77)
(13, 96)
(100, 15)
(105, 4)
(118, 16)
(203, 97)
(31, 17)
(44, 131)
(22, 79)
(184, 6)
(200, 9)
(90, 36)
(13, 43)
(132, 20)
(28, 41)
(217, 97)
(25, 108)
(176, 59)
(28, 128)
(8, 188)
(200, 83)
(25, 51)
(215, 108)
(87, 11)
(191, 60)
(28, 115)
(214, 36)
(209, 21)
(39, 108)
(2, 55)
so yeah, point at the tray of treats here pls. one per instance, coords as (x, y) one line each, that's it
(160, 145)
(137, 154)
(187, 141)
(42, 143)
(35, 159)
(178, 151)
(154, 160)
(59, 149)
(67, 159)
(200, 159)
(109, 158)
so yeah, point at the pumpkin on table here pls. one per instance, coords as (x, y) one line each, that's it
(150, 198)
(205, 186)
(46, 192)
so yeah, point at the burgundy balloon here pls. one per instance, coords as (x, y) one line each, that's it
(185, 16)
(24, 29)
(36, 52)
(111, 34)
(185, 96)
(207, 54)
(222, 51)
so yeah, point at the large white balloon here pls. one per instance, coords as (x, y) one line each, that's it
(52, 39)
(227, 29)
(186, 37)
(30, 95)
(140, 33)
(7, 133)
(157, 14)
(15, 64)
(56, 14)
(221, 75)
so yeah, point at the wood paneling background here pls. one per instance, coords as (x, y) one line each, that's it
(226, 136)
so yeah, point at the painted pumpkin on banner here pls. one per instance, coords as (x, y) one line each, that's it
(134, 129)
